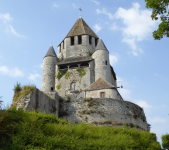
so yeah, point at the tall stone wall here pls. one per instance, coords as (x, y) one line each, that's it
(62, 85)
(105, 111)
(37, 100)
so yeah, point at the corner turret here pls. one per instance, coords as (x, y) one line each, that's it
(48, 75)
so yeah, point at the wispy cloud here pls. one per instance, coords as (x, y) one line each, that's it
(157, 120)
(74, 5)
(6, 17)
(96, 2)
(137, 25)
(14, 72)
(15, 33)
(105, 12)
(34, 76)
(114, 26)
(56, 5)
(97, 27)
(113, 59)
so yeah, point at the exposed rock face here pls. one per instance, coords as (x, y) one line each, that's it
(98, 111)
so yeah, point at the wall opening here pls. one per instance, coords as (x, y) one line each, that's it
(52, 88)
(102, 94)
(79, 39)
(90, 40)
(105, 62)
(73, 86)
(96, 40)
(72, 41)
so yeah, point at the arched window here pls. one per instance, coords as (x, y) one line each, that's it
(102, 94)
(73, 86)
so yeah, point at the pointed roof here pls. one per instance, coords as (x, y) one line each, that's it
(100, 84)
(51, 52)
(100, 45)
(81, 28)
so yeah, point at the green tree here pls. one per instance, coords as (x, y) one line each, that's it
(17, 87)
(165, 141)
(160, 10)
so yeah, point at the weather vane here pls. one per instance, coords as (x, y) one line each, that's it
(80, 11)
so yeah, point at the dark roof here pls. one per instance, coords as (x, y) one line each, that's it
(51, 52)
(75, 59)
(100, 45)
(99, 84)
(81, 28)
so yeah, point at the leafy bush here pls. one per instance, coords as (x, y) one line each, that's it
(61, 73)
(81, 71)
(165, 141)
(17, 87)
(21, 130)
(68, 99)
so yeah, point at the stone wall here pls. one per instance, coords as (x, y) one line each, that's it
(62, 85)
(105, 111)
(37, 100)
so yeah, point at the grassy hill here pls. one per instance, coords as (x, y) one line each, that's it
(21, 130)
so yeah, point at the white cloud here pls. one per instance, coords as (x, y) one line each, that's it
(15, 72)
(56, 5)
(157, 120)
(34, 76)
(105, 12)
(113, 59)
(41, 65)
(96, 2)
(97, 28)
(15, 33)
(137, 25)
(144, 104)
(6, 17)
(74, 5)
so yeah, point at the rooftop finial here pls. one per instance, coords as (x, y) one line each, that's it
(100, 37)
(51, 44)
(80, 12)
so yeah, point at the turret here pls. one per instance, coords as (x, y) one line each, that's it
(48, 75)
(102, 63)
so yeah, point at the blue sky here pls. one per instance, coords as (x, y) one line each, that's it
(27, 28)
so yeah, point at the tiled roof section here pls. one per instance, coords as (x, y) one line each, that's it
(100, 84)
(100, 45)
(51, 52)
(75, 59)
(81, 28)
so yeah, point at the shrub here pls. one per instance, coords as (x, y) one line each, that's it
(165, 141)
(68, 99)
(67, 75)
(131, 125)
(17, 87)
(62, 113)
(81, 71)
(61, 73)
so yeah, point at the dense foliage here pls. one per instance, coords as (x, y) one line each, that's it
(61, 73)
(165, 141)
(21, 130)
(159, 8)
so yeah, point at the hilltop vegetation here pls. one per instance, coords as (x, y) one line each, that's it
(21, 130)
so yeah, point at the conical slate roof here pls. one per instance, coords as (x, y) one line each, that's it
(100, 45)
(51, 52)
(81, 28)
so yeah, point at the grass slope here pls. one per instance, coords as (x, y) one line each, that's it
(21, 130)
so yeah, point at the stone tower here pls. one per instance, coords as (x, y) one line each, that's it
(48, 75)
(102, 63)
